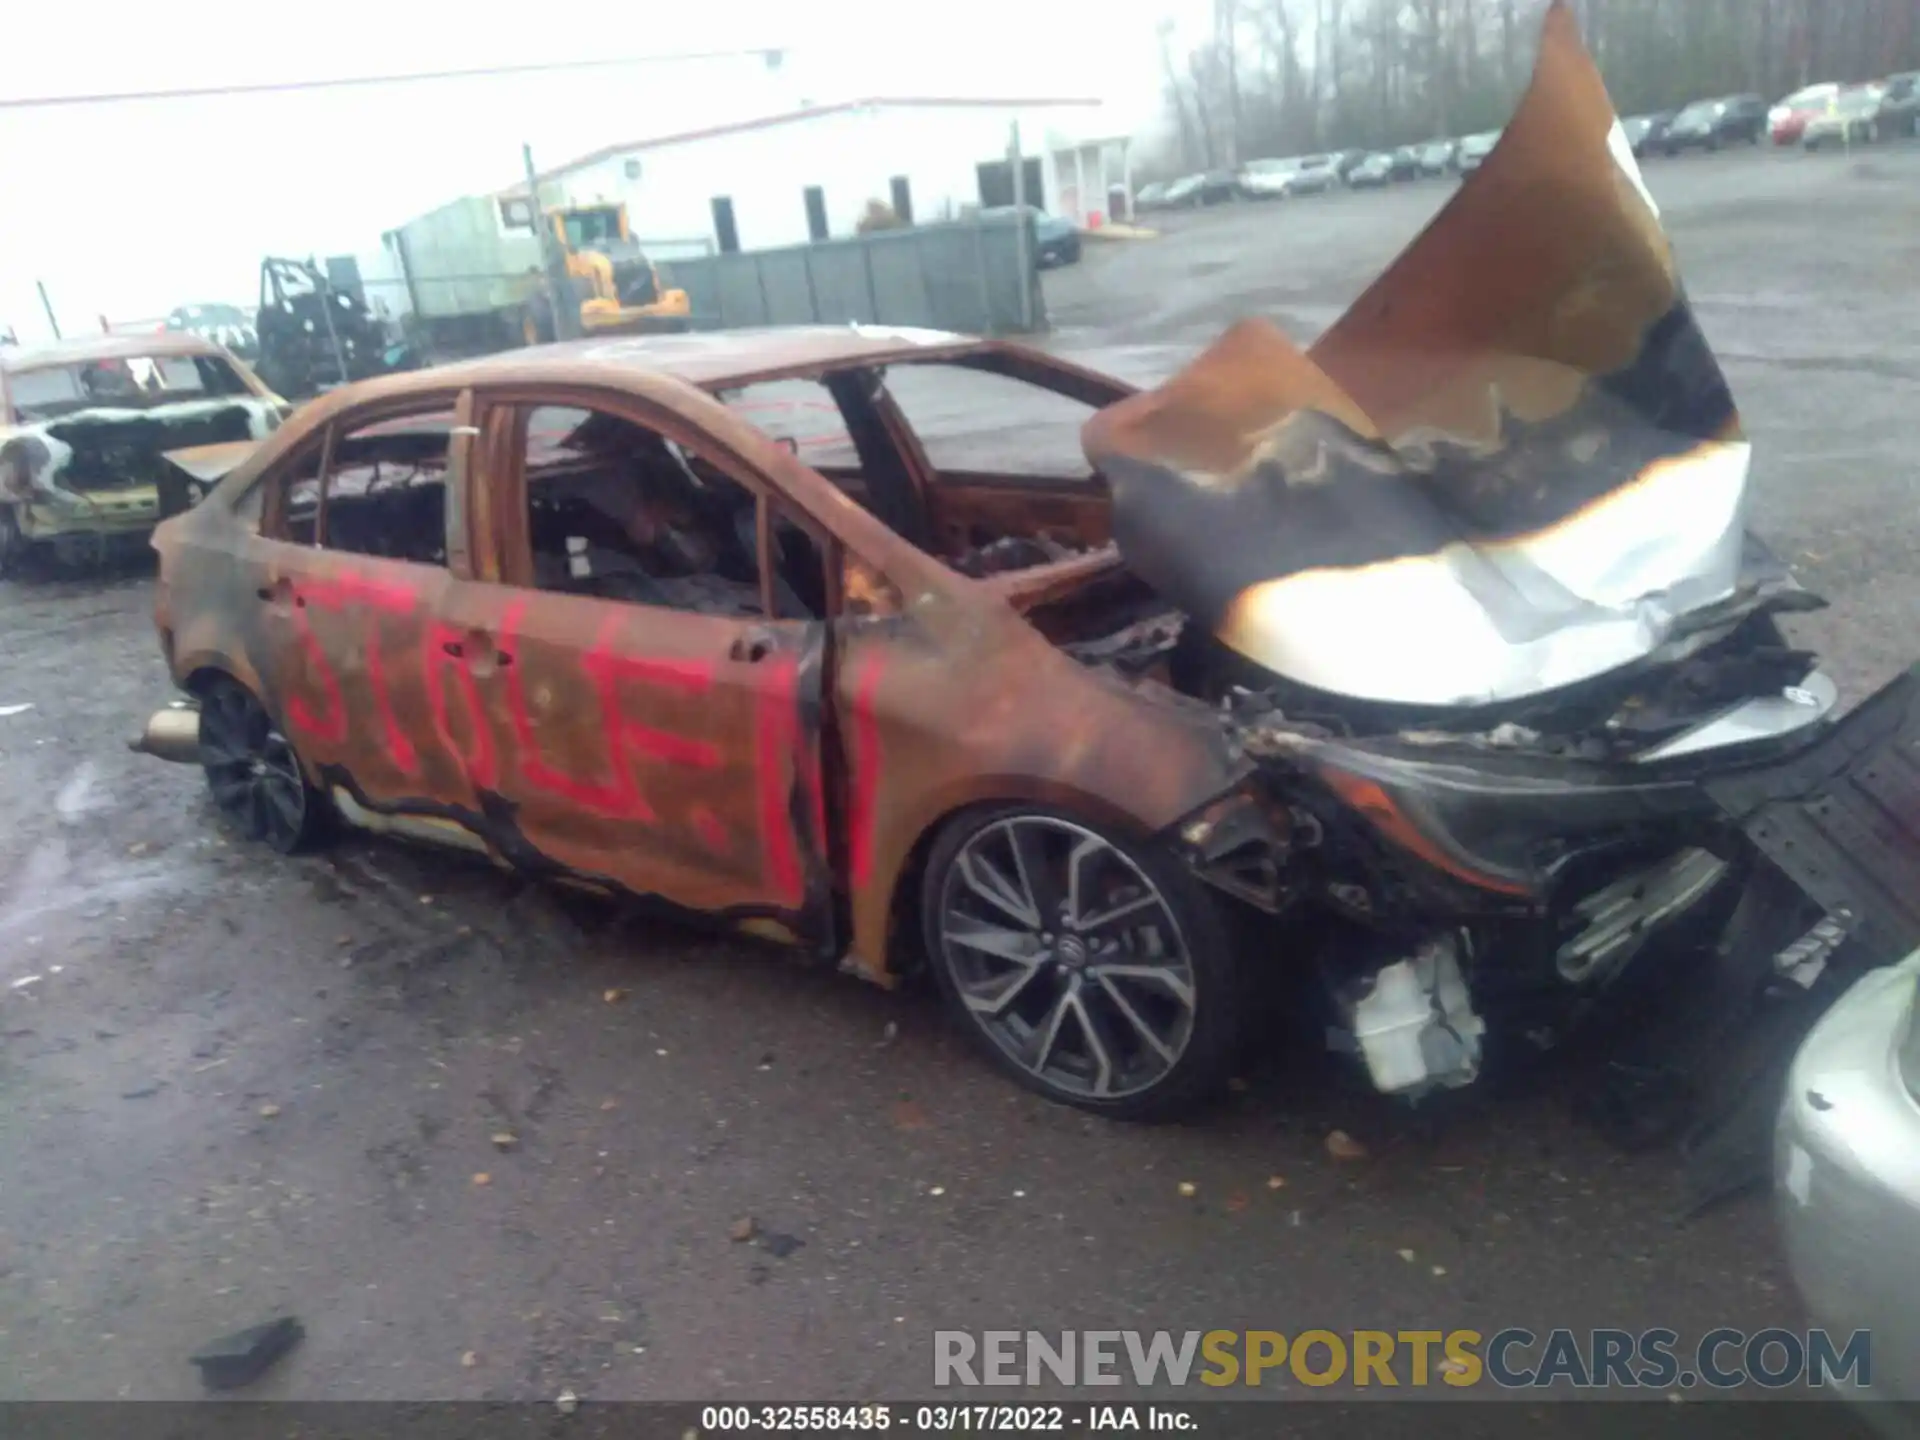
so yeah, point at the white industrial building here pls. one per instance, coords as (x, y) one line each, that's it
(812, 173)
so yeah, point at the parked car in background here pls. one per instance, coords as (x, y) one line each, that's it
(1714, 124)
(1268, 179)
(1316, 174)
(1151, 196)
(1406, 162)
(1474, 150)
(1646, 133)
(1182, 193)
(1438, 157)
(1845, 1175)
(1347, 161)
(1056, 241)
(1900, 106)
(1218, 186)
(1787, 121)
(1851, 118)
(1373, 172)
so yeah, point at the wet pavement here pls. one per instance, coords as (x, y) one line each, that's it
(489, 1141)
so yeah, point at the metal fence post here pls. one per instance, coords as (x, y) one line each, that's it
(866, 243)
(813, 293)
(760, 279)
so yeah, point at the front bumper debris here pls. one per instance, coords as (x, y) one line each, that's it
(1841, 818)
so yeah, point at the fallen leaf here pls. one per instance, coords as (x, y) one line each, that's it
(267, 1112)
(661, 1053)
(1407, 1255)
(744, 1229)
(1236, 1201)
(909, 1116)
(1439, 1270)
(1276, 1182)
(614, 997)
(937, 1190)
(468, 1360)
(505, 1140)
(1188, 1188)
(481, 1177)
(1342, 1146)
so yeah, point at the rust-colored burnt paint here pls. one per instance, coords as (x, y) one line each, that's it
(781, 774)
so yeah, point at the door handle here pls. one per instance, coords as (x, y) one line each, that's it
(750, 647)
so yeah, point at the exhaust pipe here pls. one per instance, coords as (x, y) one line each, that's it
(172, 734)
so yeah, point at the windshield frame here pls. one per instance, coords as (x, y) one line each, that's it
(156, 389)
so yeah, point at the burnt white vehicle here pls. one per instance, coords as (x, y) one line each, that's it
(85, 430)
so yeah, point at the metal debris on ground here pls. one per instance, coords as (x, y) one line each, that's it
(244, 1356)
(1342, 1146)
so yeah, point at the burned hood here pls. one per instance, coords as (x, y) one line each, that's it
(1512, 466)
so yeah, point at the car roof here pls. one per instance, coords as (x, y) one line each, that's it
(713, 359)
(15, 359)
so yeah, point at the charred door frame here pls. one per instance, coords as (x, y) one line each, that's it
(502, 555)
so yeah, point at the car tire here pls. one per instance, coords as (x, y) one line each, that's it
(1133, 1008)
(253, 774)
(13, 545)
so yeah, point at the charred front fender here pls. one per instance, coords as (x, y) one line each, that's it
(958, 703)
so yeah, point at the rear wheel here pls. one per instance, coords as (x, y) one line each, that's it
(253, 774)
(1095, 971)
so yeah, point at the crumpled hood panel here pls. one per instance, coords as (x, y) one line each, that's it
(1510, 467)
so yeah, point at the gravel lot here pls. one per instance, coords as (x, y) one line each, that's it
(242, 1085)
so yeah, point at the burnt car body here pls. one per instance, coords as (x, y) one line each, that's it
(1432, 667)
(84, 426)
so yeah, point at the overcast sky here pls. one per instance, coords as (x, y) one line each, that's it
(131, 209)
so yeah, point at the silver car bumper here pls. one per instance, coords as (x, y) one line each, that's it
(1847, 1177)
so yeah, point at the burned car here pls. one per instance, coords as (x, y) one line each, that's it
(1433, 665)
(85, 427)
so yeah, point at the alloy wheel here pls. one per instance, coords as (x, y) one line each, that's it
(1068, 957)
(251, 770)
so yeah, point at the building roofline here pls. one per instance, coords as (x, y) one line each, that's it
(808, 112)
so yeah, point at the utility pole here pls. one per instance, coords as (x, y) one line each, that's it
(566, 315)
(47, 305)
(1025, 260)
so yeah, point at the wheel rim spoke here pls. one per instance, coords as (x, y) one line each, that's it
(1099, 1050)
(1174, 983)
(1011, 989)
(986, 881)
(1133, 1017)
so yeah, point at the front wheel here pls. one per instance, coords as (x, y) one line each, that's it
(1093, 970)
(253, 774)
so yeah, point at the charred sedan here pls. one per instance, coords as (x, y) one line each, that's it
(84, 430)
(1432, 666)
